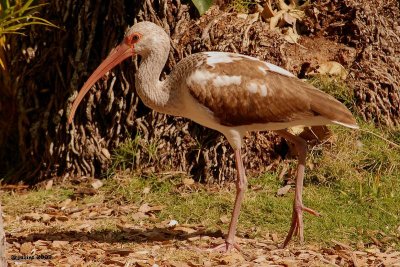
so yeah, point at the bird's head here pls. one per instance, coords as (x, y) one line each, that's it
(140, 39)
(145, 36)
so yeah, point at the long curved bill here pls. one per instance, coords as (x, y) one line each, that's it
(120, 53)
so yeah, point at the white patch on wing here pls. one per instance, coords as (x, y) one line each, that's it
(257, 88)
(226, 80)
(263, 70)
(220, 57)
(204, 77)
(279, 70)
(252, 87)
(200, 77)
(263, 88)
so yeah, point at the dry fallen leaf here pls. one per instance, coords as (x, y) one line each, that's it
(289, 262)
(106, 153)
(291, 36)
(65, 203)
(144, 208)
(146, 190)
(284, 6)
(274, 237)
(224, 219)
(33, 216)
(139, 215)
(96, 184)
(267, 12)
(260, 259)
(121, 252)
(46, 217)
(232, 259)
(242, 15)
(287, 19)
(84, 227)
(26, 248)
(62, 218)
(283, 190)
(49, 184)
(273, 23)
(332, 68)
(59, 244)
(188, 181)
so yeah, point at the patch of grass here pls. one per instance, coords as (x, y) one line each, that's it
(16, 203)
(359, 156)
(125, 155)
(130, 153)
(335, 87)
(241, 6)
(355, 204)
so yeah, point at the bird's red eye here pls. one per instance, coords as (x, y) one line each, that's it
(133, 38)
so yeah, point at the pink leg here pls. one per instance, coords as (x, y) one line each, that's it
(241, 185)
(298, 207)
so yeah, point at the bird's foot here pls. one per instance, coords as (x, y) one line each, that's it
(297, 227)
(225, 247)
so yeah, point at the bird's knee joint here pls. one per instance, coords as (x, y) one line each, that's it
(301, 146)
(298, 207)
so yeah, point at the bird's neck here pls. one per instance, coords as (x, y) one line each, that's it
(154, 93)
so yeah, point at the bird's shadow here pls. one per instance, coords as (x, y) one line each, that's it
(113, 236)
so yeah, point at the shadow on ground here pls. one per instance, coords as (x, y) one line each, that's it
(111, 236)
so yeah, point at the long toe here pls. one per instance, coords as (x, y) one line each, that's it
(311, 211)
(292, 230)
(297, 226)
(225, 248)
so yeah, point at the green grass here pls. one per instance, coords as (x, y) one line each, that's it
(241, 6)
(347, 217)
(335, 87)
(18, 203)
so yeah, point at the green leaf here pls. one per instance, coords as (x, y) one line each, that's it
(16, 18)
(5, 4)
(202, 5)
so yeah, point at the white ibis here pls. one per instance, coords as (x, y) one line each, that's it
(230, 93)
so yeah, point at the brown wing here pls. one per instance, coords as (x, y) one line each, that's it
(247, 91)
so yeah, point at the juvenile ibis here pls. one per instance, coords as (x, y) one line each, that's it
(230, 93)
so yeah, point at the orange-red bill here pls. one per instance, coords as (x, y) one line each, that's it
(120, 53)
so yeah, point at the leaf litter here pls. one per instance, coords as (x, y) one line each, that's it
(73, 233)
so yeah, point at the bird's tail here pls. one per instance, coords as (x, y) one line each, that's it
(330, 108)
